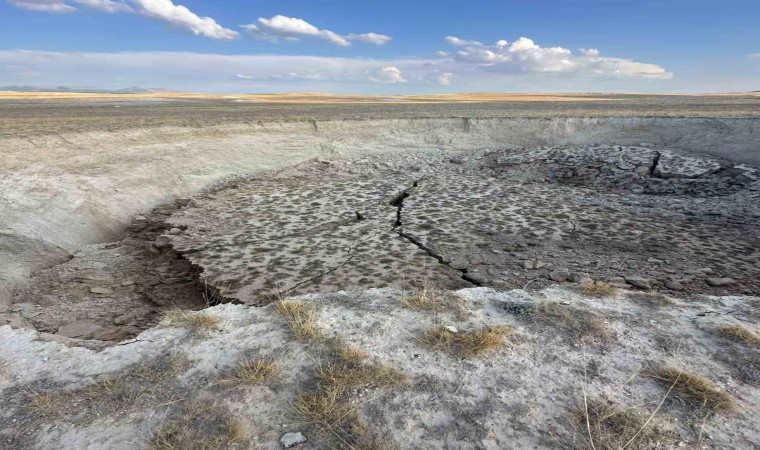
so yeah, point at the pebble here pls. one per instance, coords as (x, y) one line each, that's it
(674, 285)
(162, 242)
(451, 329)
(559, 275)
(639, 282)
(101, 290)
(291, 439)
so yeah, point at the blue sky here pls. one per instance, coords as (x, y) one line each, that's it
(383, 46)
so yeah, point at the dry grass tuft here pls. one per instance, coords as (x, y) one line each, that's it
(199, 425)
(427, 299)
(350, 355)
(580, 324)
(605, 426)
(740, 333)
(343, 377)
(464, 343)
(254, 371)
(599, 289)
(329, 410)
(193, 320)
(695, 389)
(654, 299)
(302, 319)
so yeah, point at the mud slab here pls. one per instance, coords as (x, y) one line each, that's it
(650, 217)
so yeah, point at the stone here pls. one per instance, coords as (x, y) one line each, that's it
(456, 160)
(458, 264)
(162, 242)
(102, 290)
(182, 202)
(674, 285)
(127, 283)
(175, 231)
(533, 264)
(291, 439)
(639, 282)
(579, 277)
(720, 282)
(451, 329)
(559, 275)
(80, 330)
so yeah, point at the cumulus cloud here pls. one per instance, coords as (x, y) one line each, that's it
(165, 10)
(445, 78)
(293, 29)
(180, 16)
(388, 74)
(456, 41)
(369, 38)
(525, 56)
(51, 6)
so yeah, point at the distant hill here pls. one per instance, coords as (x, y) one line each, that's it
(82, 89)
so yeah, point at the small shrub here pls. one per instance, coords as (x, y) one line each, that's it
(581, 325)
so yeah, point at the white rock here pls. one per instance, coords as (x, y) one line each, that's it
(291, 439)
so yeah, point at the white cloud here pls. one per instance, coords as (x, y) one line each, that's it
(52, 6)
(369, 38)
(456, 41)
(180, 16)
(165, 10)
(293, 29)
(387, 74)
(106, 5)
(445, 78)
(525, 56)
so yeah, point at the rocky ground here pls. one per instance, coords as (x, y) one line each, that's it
(382, 369)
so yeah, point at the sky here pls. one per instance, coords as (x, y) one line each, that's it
(383, 47)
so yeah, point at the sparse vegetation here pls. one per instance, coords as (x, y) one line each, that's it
(199, 425)
(350, 355)
(654, 299)
(695, 389)
(302, 319)
(143, 386)
(740, 333)
(427, 299)
(346, 376)
(193, 320)
(466, 343)
(254, 371)
(605, 426)
(599, 288)
(579, 324)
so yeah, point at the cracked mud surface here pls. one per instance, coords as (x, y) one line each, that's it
(646, 217)
(639, 217)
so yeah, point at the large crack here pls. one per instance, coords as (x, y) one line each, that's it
(398, 202)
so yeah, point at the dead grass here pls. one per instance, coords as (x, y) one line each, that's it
(427, 299)
(740, 333)
(605, 426)
(254, 371)
(350, 355)
(343, 377)
(599, 289)
(192, 320)
(654, 299)
(579, 324)
(199, 425)
(466, 343)
(695, 389)
(302, 319)
(140, 387)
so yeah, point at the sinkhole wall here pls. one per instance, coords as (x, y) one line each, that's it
(70, 189)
